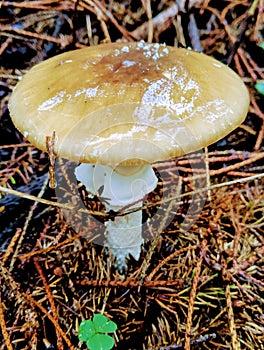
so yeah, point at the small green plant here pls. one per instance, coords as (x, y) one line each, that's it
(259, 86)
(94, 332)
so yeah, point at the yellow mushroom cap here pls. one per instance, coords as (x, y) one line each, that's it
(128, 103)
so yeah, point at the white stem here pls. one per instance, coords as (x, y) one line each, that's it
(124, 236)
(121, 186)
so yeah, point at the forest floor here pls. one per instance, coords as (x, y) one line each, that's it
(195, 287)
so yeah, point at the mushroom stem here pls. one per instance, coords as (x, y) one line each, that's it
(119, 187)
(124, 236)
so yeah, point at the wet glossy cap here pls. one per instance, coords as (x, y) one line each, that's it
(128, 103)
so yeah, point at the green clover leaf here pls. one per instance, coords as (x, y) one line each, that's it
(103, 325)
(86, 330)
(100, 342)
(93, 332)
(260, 88)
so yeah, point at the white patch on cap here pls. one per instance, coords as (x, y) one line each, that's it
(52, 102)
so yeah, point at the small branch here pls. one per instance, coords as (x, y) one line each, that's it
(129, 283)
(165, 16)
(5, 45)
(40, 5)
(52, 304)
(9, 250)
(231, 321)
(147, 6)
(166, 260)
(63, 41)
(49, 249)
(187, 338)
(3, 326)
(50, 144)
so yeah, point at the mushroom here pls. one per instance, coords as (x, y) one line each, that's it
(118, 108)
